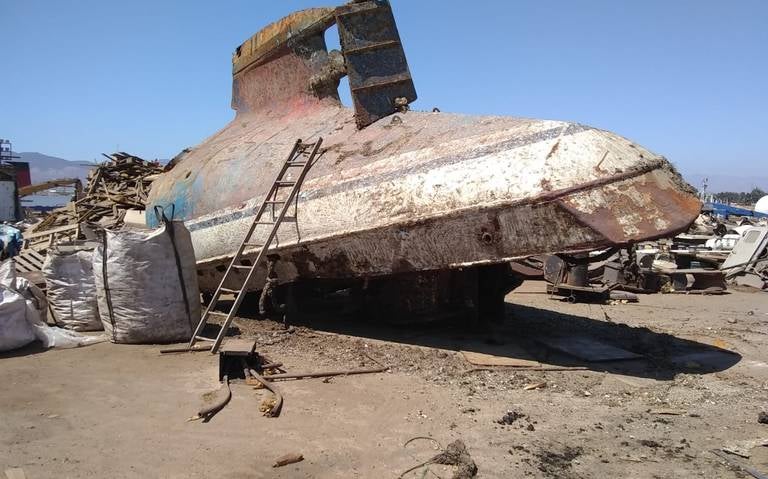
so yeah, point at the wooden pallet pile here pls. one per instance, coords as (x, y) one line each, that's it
(114, 187)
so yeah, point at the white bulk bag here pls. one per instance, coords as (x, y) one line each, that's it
(22, 316)
(68, 271)
(15, 331)
(8, 274)
(146, 284)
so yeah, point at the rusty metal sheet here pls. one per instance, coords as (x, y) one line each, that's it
(627, 209)
(376, 64)
(588, 349)
(271, 38)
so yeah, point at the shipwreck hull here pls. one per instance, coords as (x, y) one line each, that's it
(413, 191)
(539, 187)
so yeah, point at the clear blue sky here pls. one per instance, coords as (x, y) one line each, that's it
(687, 79)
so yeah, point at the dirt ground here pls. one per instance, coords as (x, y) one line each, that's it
(112, 411)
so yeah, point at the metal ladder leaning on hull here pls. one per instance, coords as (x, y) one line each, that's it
(302, 156)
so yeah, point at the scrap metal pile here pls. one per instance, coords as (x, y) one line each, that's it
(715, 253)
(114, 187)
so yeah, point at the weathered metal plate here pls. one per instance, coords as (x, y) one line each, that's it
(588, 349)
(376, 64)
(748, 248)
(271, 38)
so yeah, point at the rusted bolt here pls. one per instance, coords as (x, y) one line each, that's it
(486, 237)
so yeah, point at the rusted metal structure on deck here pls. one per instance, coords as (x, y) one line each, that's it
(396, 192)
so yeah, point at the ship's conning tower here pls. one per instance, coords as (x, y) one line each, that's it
(287, 63)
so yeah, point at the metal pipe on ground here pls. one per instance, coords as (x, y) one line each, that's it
(345, 372)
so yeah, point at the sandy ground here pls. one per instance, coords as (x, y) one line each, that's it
(121, 411)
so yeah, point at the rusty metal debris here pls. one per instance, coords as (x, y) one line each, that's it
(739, 465)
(32, 189)
(712, 254)
(378, 72)
(323, 374)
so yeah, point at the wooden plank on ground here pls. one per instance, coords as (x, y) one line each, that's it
(51, 231)
(29, 260)
(23, 264)
(34, 257)
(482, 359)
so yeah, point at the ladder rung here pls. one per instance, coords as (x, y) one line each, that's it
(297, 163)
(286, 219)
(274, 202)
(218, 313)
(285, 183)
(227, 290)
(241, 266)
(254, 245)
(203, 338)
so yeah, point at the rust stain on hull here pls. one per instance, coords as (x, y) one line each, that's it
(638, 209)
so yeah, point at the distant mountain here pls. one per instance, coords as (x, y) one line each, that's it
(45, 167)
(721, 183)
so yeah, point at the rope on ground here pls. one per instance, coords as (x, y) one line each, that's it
(455, 454)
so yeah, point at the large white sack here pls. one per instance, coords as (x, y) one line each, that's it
(68, 271)
(22, 286)
(8, 274)
(139, 277)
(15, 331)
(23, 310)
(53, 337)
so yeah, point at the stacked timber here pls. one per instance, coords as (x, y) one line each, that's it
(119, 184)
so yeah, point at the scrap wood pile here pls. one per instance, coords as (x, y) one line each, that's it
(114, 187)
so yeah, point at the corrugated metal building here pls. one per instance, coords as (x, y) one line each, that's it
(10, 209)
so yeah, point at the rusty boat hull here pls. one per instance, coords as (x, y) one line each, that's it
(412, 191)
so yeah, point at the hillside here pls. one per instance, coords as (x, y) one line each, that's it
(45, 167)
